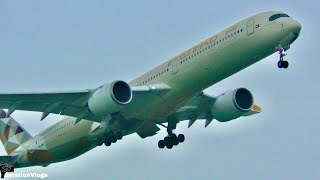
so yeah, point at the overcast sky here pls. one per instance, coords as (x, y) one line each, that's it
(70, 45)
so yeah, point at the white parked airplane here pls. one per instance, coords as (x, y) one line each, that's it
(169, 93)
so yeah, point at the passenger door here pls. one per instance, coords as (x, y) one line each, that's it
(250, 27)
(174, 67)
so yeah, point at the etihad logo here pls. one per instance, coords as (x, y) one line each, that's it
(197, 47)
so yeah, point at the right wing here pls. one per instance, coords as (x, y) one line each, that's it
(199, 107)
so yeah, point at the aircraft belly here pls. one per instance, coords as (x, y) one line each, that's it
(59, 153)
(72, 149)
(149, 107)
(67, 145)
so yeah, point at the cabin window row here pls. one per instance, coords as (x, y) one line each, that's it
(154, 76)
(193, 55)
(212, 45)
(57, 129)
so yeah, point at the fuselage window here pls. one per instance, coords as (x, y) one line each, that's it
(277, 16)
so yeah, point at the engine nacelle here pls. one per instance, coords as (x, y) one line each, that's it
(109, 98)
(232, 104)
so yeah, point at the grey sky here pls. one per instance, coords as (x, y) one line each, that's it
(63, 45)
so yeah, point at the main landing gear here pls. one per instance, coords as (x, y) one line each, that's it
(170, 140)
(282, 63)
(109, 138)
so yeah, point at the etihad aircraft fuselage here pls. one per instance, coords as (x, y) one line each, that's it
(187, 75)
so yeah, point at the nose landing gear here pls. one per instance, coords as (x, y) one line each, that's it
(282, 63)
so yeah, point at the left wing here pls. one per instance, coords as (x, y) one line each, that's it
(72, 103)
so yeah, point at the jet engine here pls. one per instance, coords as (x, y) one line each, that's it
(109, 98)
(232, 104)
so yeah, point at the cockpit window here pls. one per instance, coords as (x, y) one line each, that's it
(276, 16)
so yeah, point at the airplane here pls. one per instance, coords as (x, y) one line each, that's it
(164, 96)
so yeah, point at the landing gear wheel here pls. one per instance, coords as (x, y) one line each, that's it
(99, 141)
(113, 139)
(107, 143)
(166, 140)
(175, 142)
(161, 144)
(181, 138)
(280, 64)
(169, 145)
(285, 64)
(119, 135)
(174, 139)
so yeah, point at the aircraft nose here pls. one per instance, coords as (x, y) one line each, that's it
(296, 26)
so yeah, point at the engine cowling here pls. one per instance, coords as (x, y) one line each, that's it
(232, 104)
(109, 98)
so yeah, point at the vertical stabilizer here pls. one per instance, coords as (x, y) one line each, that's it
(12, 134)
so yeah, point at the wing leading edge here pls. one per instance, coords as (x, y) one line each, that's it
(70, 103)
